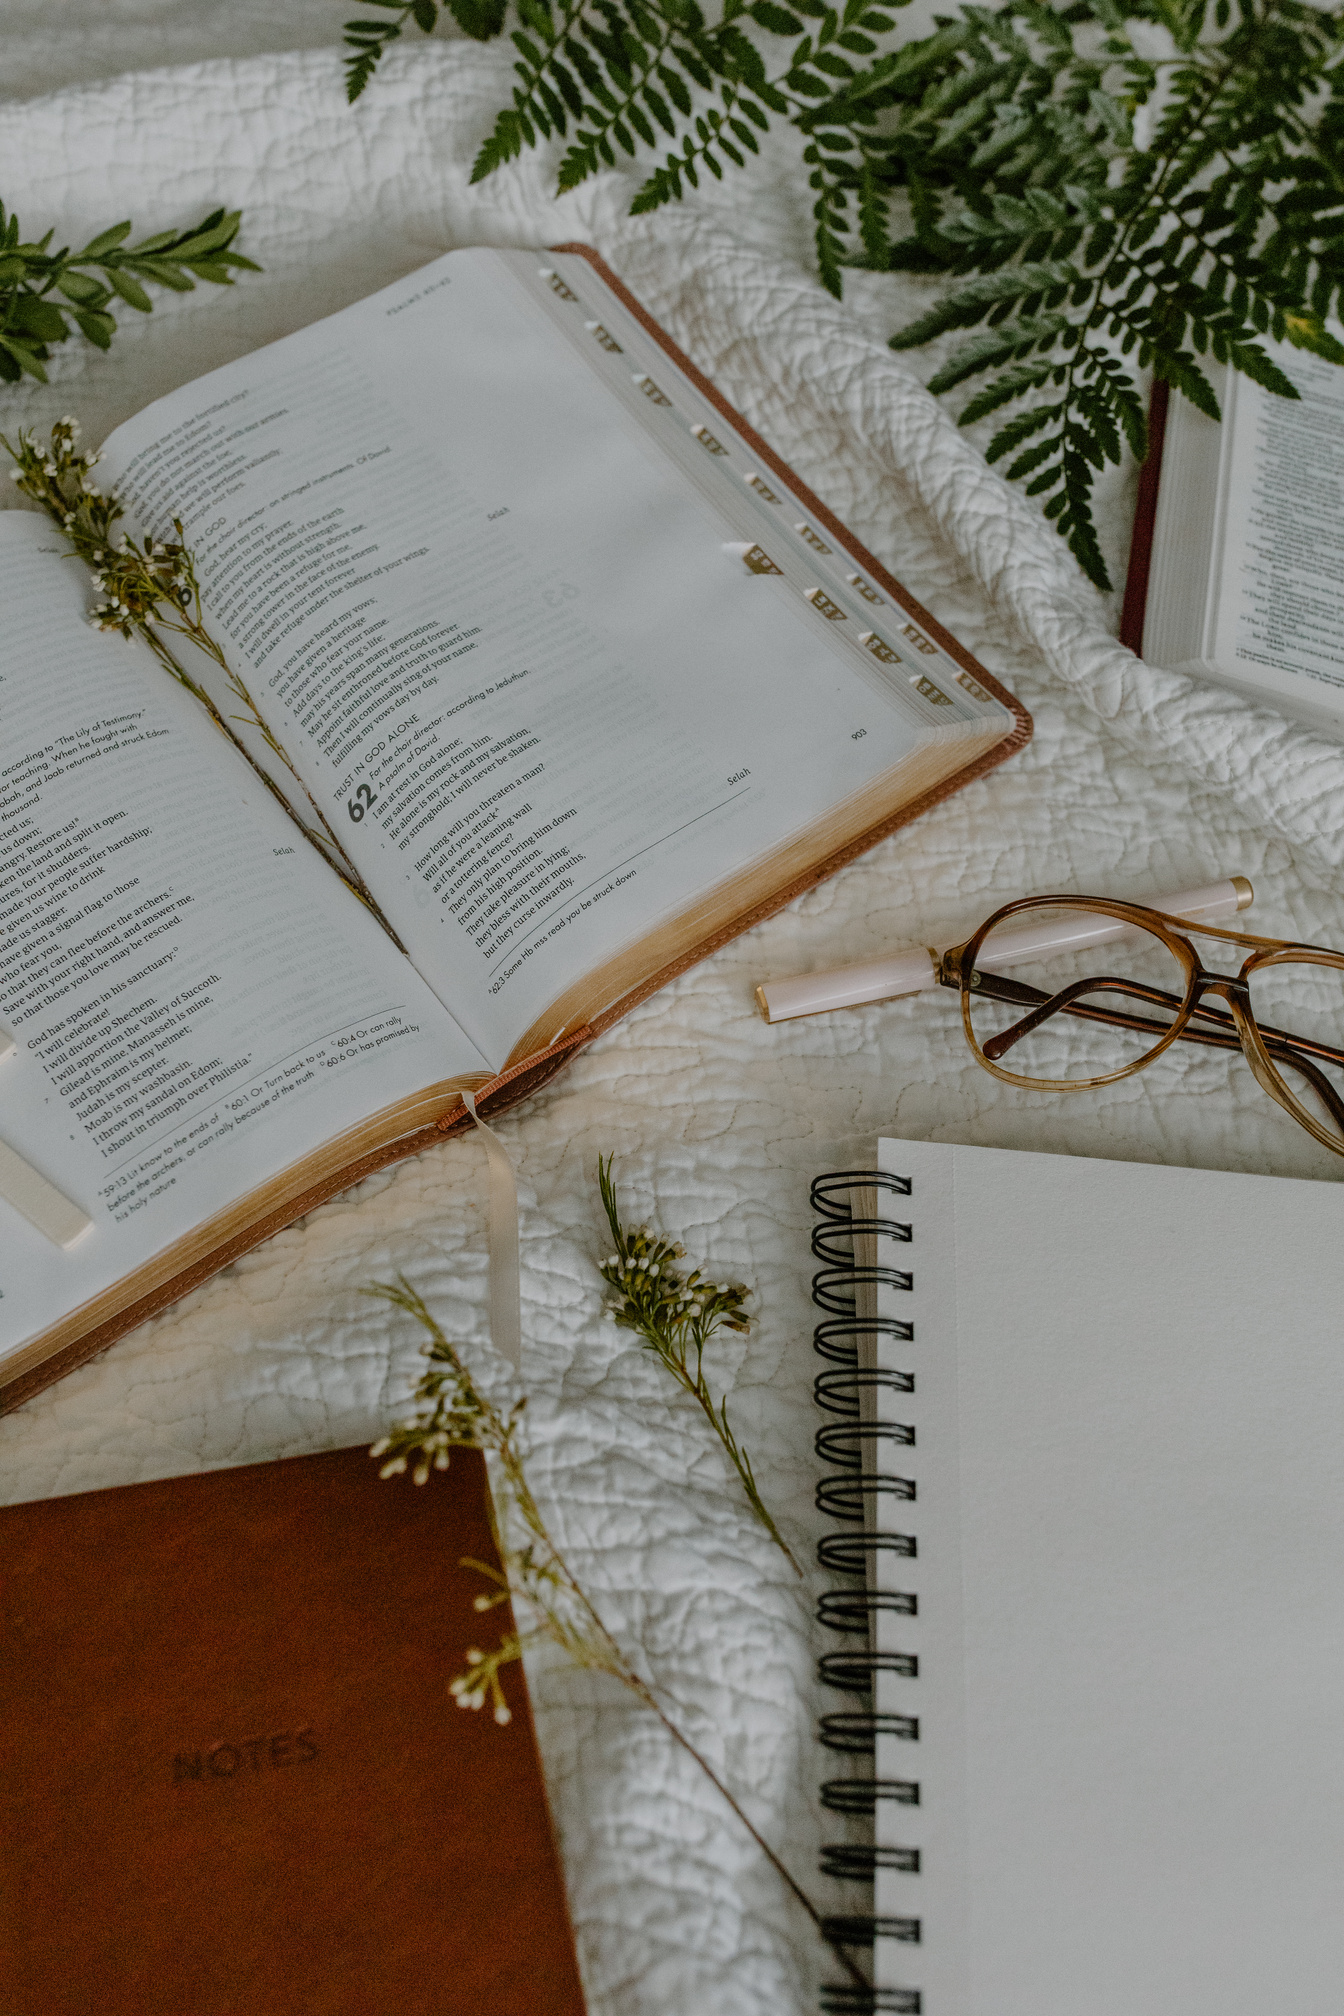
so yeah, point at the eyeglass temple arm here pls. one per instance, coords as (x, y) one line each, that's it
(1069, 1001)
(1281, 1044)
(1316, 1078)
(1046, 1005)
(995, 987)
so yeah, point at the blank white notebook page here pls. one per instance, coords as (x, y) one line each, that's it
(1128, 1408)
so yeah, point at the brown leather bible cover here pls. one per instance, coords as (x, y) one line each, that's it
(234, 1783)
(1145, 521)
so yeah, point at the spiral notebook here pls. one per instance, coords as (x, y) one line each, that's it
(1084, 1450)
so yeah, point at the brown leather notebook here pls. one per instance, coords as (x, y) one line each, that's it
(234, 1783)
(581, 710)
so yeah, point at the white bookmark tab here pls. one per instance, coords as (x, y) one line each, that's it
(506, 1295)
(40, 1202)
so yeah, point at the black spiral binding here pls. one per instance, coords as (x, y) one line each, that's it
(865, 1456)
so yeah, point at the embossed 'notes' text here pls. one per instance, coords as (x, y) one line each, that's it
(249, 1755)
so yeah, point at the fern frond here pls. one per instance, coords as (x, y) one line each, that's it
(1098, 213)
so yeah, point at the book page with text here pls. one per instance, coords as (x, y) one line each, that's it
(198, 1002)
(1278, 599)
(503, 638)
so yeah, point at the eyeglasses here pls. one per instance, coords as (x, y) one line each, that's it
(1123, 1003)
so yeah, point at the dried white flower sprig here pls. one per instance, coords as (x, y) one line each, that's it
(149, 590)
(677, 1312)
(453, 1413)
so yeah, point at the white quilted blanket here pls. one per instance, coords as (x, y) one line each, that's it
(1136, 782)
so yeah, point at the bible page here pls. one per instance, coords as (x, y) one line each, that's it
(197, 1001)
(513, 651)
(1277, 598)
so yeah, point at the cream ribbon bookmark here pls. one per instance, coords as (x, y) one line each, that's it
(506, 1295)
(40, 1202)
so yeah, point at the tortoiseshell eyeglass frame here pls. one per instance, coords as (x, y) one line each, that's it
(1230, 1028)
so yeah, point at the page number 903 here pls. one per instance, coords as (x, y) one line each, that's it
(858, 735)
(362, 802)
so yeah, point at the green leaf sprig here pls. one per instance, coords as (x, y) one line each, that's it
(677, 1313)
(453, 1413)
(1109, 190)
(42, 292)
(369, 40)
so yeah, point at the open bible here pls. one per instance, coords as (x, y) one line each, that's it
(585, 679)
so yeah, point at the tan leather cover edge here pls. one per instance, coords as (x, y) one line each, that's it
(915, 809)
(1017, 737)
(494, 1097)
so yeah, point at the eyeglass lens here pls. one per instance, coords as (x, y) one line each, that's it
(1039, 1019)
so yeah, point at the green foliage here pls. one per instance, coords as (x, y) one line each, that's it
(676, 1314)
(150, 590)
(1083, 249)
(453, 1412)
(42, 292)
(1106, 190)
(366, 40)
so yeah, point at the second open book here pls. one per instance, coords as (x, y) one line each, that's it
(1235, 571)
(585, 680)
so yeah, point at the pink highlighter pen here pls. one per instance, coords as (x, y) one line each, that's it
(913, 970)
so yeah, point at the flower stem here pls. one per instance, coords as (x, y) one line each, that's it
(676, 1313)
(151, 588)
(455, 1414)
